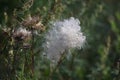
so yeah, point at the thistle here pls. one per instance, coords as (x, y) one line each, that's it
(63, 35)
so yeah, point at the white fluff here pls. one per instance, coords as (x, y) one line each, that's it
(62, 36)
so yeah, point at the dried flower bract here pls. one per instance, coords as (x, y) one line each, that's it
(21, 34)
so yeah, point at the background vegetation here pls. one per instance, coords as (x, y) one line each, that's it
(98, 60)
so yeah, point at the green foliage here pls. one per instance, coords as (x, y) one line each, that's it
(98, 60)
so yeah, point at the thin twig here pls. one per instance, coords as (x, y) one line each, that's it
(58, 64)
(32, 54)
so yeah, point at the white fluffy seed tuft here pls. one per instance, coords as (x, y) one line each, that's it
(62, 36)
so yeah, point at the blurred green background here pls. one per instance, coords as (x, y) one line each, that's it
(98, 60)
